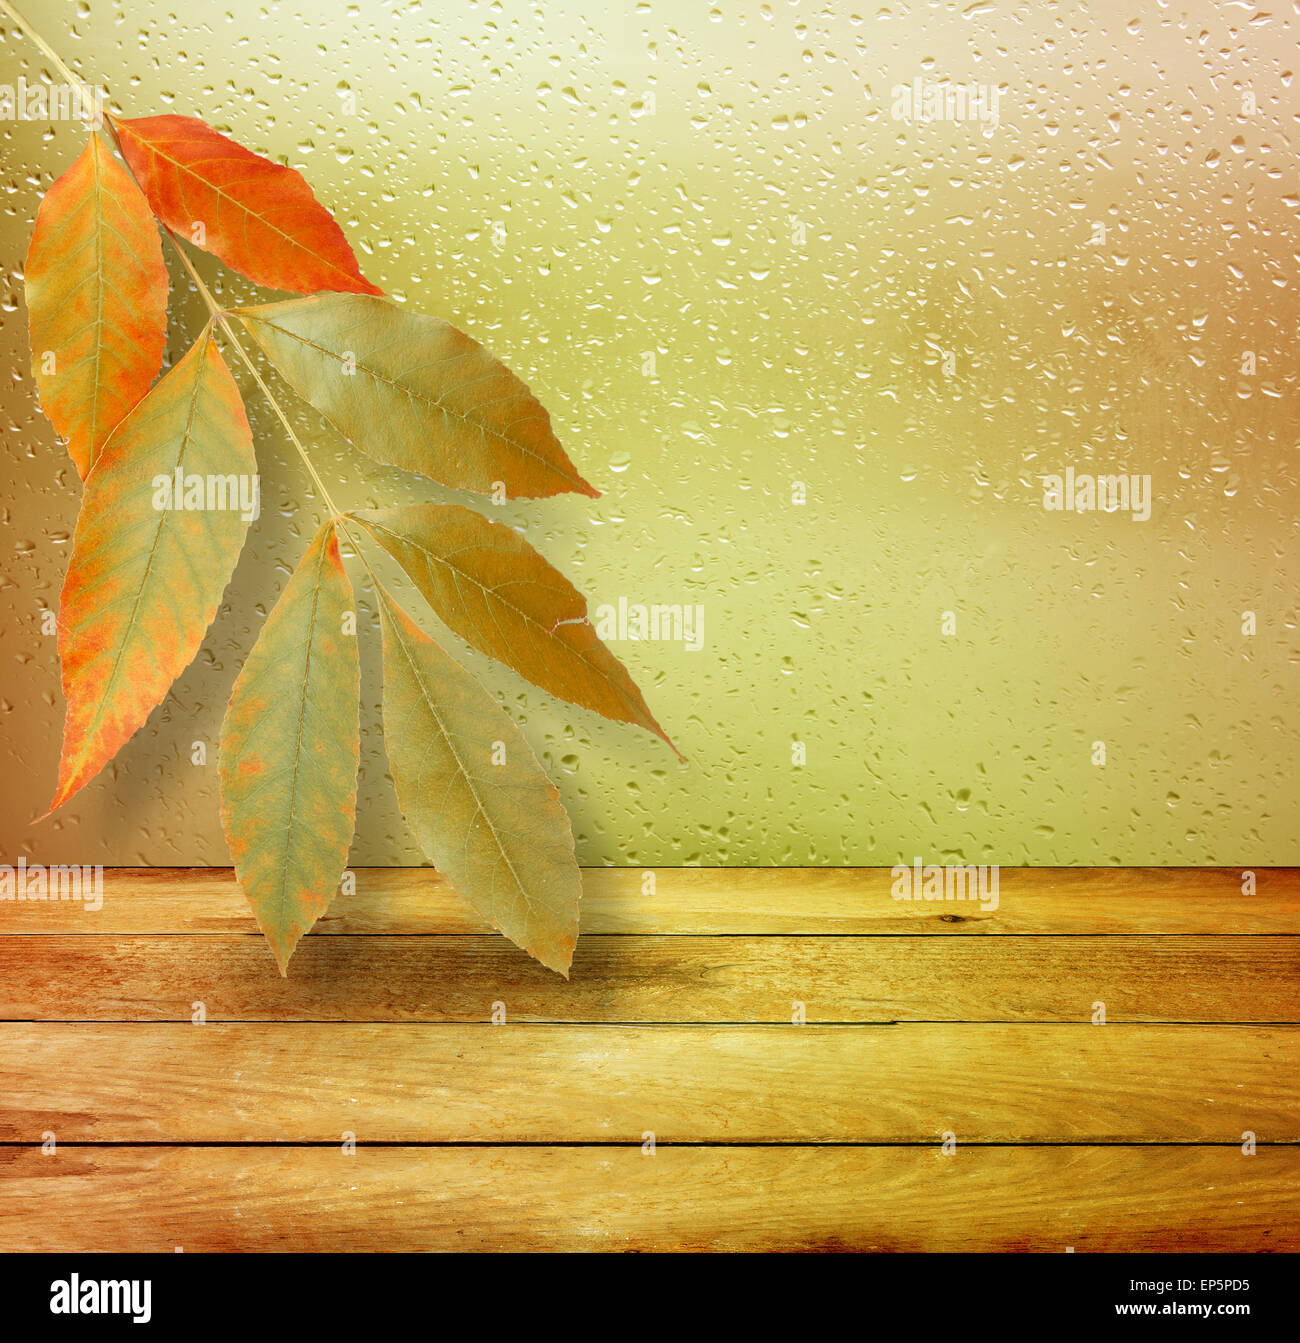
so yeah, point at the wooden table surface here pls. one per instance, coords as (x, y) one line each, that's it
(744, 1059)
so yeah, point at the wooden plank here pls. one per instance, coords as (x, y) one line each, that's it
(582, 1084)
(703, 901)
(669, 979)
(681, 1198)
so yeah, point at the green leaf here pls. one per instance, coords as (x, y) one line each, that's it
(493, 589)
(290, 745)
(475, 797)
(416, 393)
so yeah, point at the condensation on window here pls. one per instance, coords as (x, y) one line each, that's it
(935, 360)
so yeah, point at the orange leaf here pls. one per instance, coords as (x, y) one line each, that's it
(145, 579)
(96, 300)
(259, 217)
(490, 586)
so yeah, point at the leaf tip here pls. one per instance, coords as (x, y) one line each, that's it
(652, 724)
(283, 953)
(66, 789)
(561, 964)
(556, 955)
(283, 942)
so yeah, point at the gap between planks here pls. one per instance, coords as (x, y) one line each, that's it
(740, 945)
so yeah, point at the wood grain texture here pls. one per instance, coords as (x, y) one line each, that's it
(656, 979)
(681, 1198)
(699, 901)
(134, 1083)
(924, 1019)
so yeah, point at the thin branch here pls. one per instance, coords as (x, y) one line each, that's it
(221, 318)
(33, 36)
(219, 314)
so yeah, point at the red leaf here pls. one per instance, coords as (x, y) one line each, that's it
(259, 217)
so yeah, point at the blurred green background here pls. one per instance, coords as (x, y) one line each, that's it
(699, 234)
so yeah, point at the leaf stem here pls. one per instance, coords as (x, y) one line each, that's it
(228, 332)
(219, 314)
(220, 318)
(46, 50)
(341, 522)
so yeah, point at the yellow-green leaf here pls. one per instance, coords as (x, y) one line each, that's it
(96, 300)
(475, 797)
(145, 578)
(289, 751)
(493, 589)
(416, 393)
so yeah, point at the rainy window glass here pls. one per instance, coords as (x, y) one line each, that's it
(933, 363)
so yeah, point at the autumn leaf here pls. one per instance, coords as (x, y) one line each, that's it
(493, 589)
(96, 300)
(144, 580)
(416, 393)
(171, 486)
(259, 217)
(475, 797)
(290, 746)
